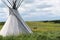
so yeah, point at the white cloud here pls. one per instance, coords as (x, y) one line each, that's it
(38, 8)
(4, 10)
(0, 1)
(4, 13)
(53, 9)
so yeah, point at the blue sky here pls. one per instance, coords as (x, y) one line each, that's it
(35, 10)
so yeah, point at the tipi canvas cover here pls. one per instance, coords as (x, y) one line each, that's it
(14, 24)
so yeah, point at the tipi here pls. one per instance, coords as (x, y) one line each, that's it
(14, 24)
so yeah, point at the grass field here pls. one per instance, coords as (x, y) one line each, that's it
(41, 31)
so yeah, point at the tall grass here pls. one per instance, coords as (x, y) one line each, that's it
(41, 31)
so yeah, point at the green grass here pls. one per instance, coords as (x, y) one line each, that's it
(41, 26)
(41, 31)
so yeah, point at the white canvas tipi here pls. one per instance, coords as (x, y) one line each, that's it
(14, 24)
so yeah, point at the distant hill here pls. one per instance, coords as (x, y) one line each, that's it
(1, 23)
(55, 21)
